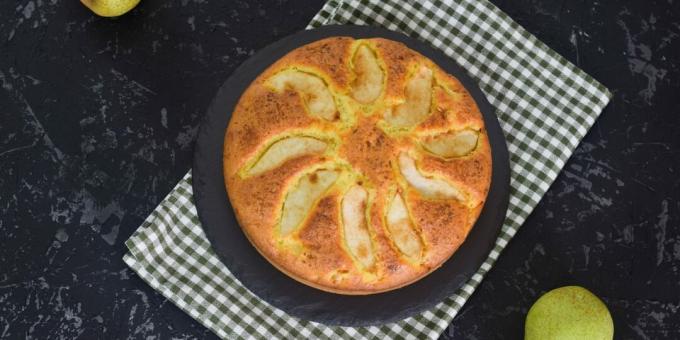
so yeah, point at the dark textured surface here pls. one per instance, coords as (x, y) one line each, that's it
(98, 118)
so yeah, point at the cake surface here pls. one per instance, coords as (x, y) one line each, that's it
(356, 166)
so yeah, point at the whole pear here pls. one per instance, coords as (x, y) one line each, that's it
(566, 313)
(110, 8)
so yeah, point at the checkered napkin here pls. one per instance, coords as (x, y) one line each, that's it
(545, 106)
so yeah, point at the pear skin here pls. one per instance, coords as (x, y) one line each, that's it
(566, 313)
(110, 8)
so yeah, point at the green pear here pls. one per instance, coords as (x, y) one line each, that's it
(566, 313)
(110, 8)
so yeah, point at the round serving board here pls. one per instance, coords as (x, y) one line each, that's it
(271, 285)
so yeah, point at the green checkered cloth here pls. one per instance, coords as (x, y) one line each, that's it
(545, 106)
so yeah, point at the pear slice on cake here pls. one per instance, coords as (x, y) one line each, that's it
(303, 197)
(416, 107)
(429, 187)
(402, 230)
(312, 89)
(354, 220)
(452, 144)
(284, 150)
(368, 83)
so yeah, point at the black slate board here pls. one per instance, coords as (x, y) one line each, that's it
(261, 278)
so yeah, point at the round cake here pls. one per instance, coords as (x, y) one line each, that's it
(356, 166)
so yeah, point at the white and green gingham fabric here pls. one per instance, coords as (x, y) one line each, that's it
(545, 106)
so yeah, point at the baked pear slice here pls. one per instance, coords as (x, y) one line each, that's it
(402, 231)
(429, 187)
(355, 226)
(451, 144)
(284, 150)
(303, 197)
(368, 84)
(416, 107)
(314, 92)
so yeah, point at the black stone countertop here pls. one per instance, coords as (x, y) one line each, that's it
(98, 118)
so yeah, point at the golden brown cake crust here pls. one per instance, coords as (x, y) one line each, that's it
(363, 149)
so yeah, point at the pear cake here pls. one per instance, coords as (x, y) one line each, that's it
(356, 166)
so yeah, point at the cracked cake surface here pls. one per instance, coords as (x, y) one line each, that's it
(356, 166)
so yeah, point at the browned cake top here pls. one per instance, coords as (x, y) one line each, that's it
(356, 166)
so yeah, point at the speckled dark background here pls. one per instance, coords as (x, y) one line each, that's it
(98, 118)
